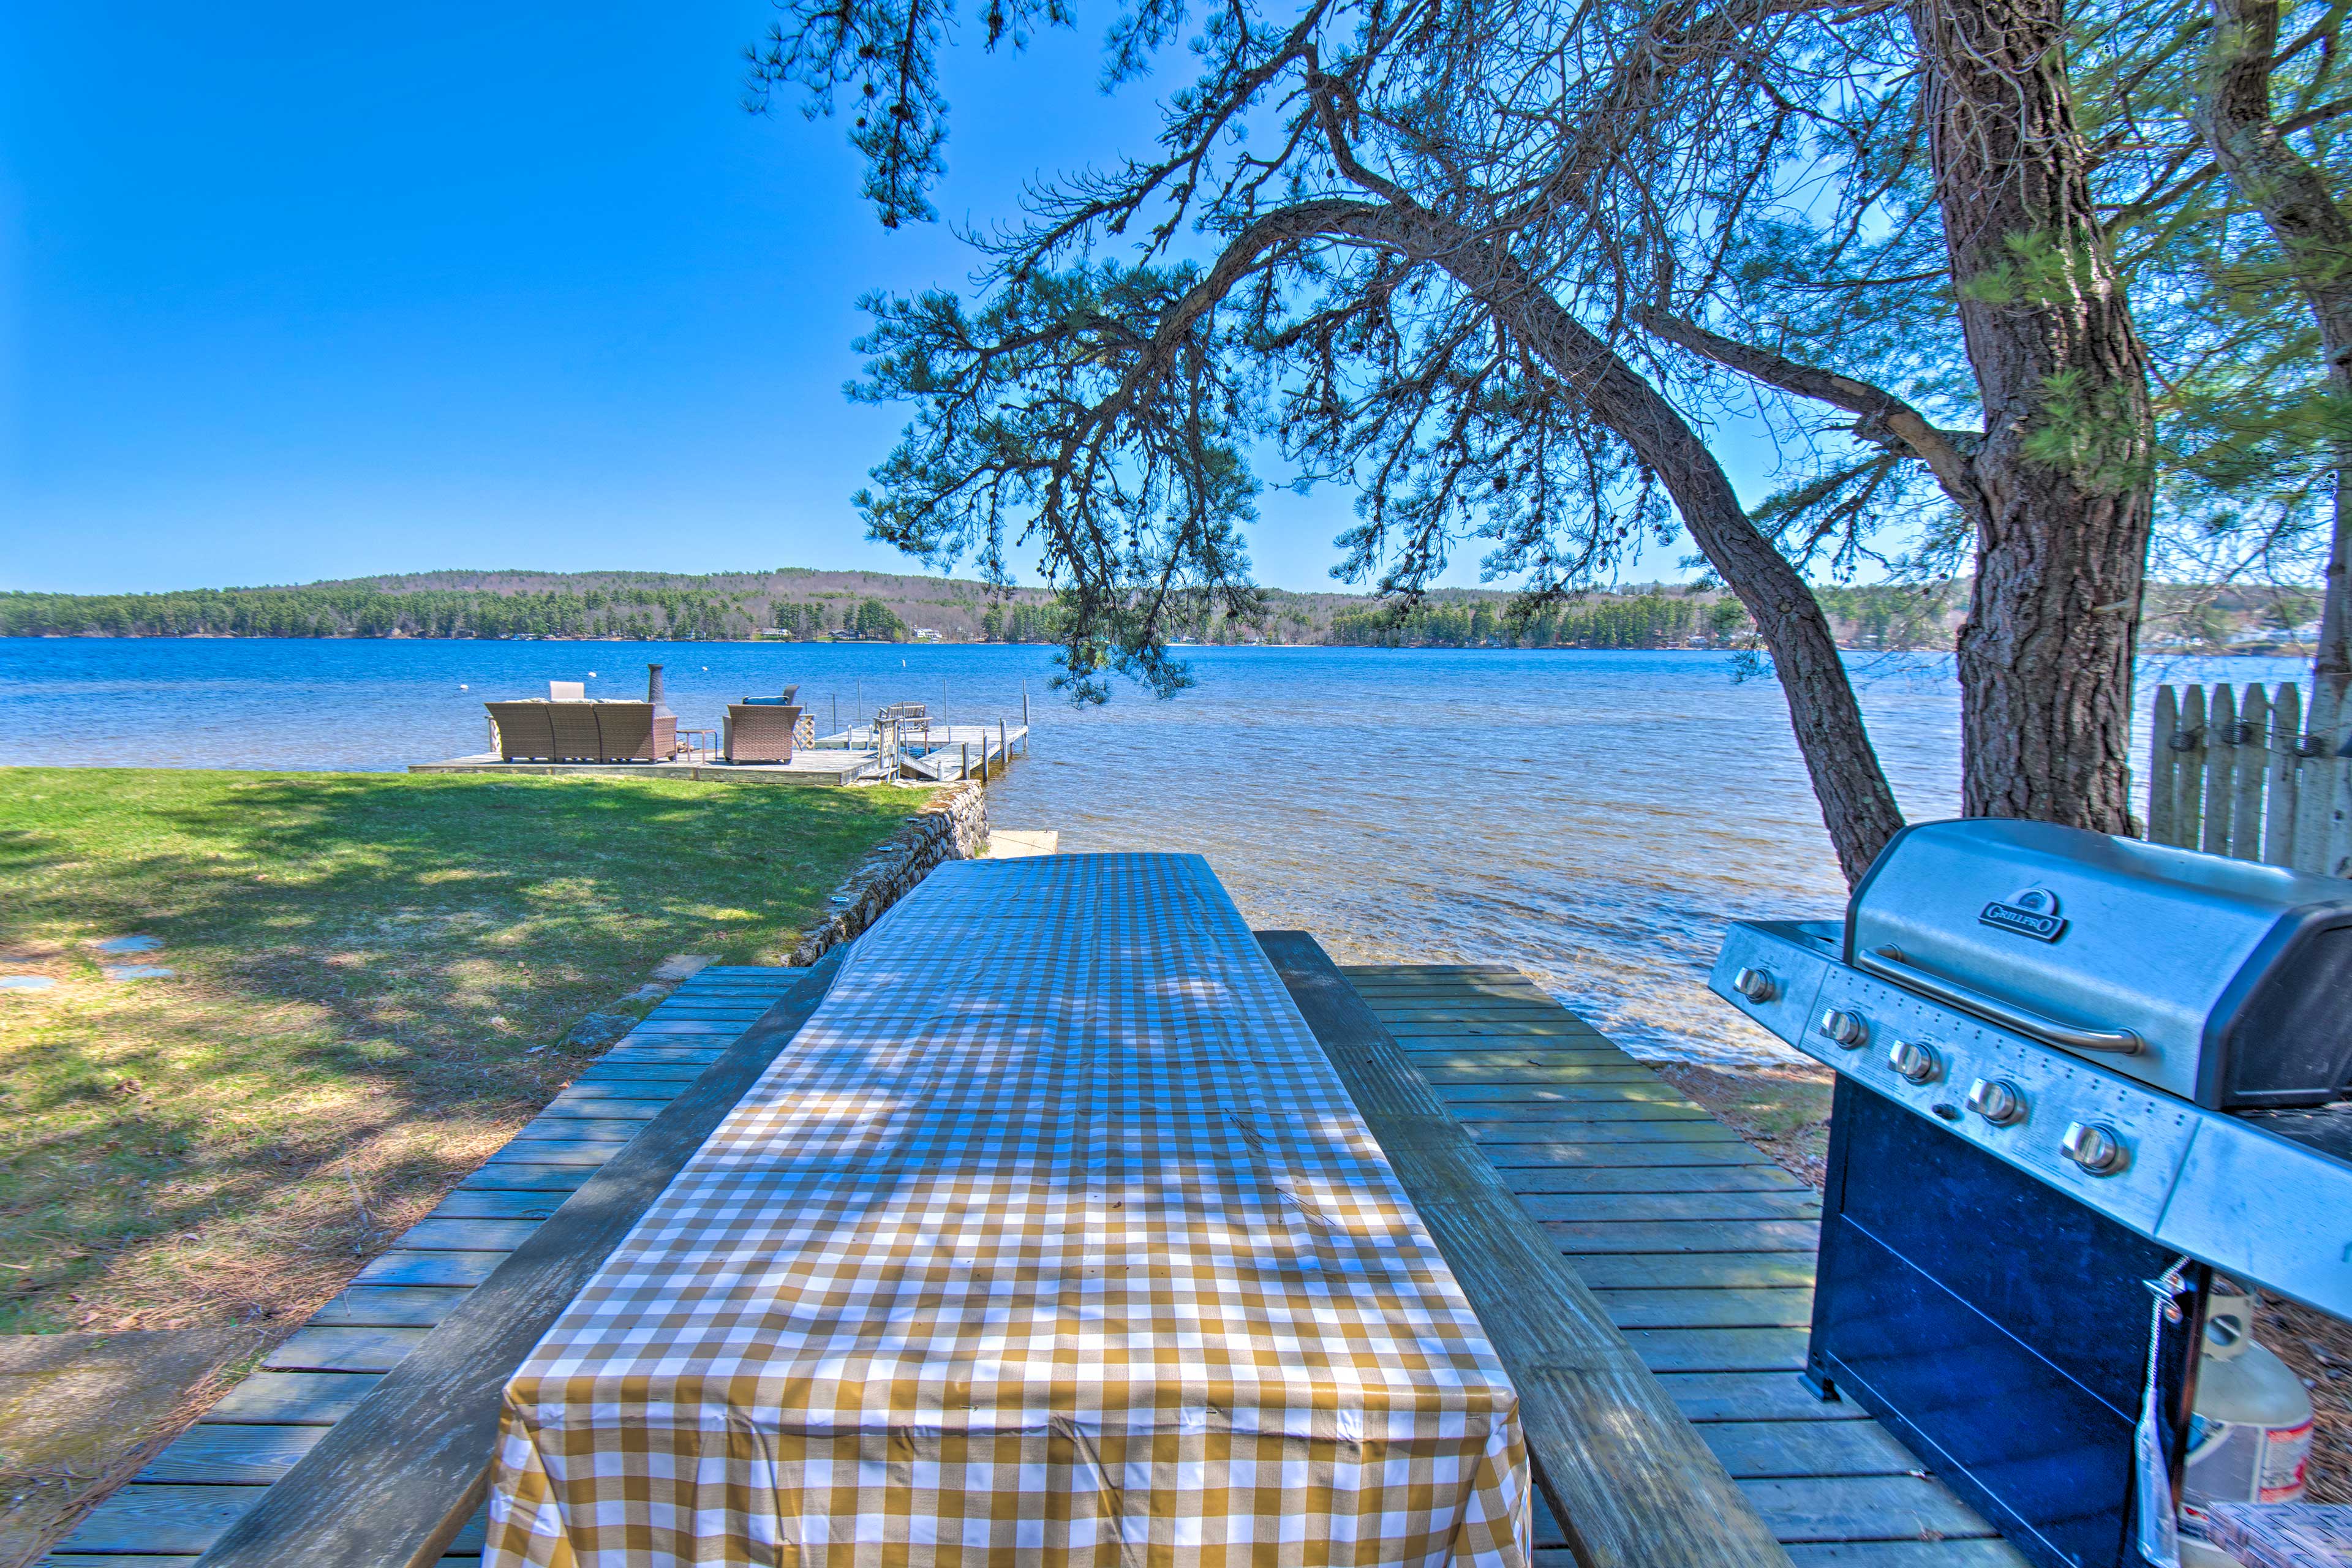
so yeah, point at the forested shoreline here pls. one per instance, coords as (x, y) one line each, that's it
(889, 607)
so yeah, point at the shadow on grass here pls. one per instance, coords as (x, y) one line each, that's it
(370, 971)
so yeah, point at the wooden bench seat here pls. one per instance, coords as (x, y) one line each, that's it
(1628, 1480)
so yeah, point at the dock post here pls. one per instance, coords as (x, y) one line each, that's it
(1024, 705)
(1003, 753)
(964, 767)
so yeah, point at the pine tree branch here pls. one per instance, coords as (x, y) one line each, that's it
(1880, 415)
(2156, 200)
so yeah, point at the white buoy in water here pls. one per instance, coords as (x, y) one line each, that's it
(591, 674)
(463, 687)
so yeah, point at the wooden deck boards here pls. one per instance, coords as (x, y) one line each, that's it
(200, 1483)
(1700, 1249)
(1635, 1484)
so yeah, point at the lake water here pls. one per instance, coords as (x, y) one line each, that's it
(1592, 818)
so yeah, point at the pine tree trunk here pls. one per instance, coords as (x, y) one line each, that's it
(2045, 656)
(2316, 234)
(2331, 664)
(1857, 803)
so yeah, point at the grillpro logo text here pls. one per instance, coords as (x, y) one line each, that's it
(2031, 912)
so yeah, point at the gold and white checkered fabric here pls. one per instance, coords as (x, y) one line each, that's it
(1053, 1239)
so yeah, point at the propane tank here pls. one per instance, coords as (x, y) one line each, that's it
(2205, 1554)
(2249, 1431)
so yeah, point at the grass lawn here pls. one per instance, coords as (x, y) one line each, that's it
(1783, 1110)
(374, 977)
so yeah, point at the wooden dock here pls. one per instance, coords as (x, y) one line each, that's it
(940, 753)
(1699, 1248)
(189, 1494)
(829, 766)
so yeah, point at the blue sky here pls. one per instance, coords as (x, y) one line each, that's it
(291, 292)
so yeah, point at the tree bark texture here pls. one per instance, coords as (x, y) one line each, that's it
(2065, 471)
(1857, 803)
(2317, 235)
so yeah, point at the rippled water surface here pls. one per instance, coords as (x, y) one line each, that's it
(1591, 818)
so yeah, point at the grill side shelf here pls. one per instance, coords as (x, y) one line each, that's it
(2265, 1212)
(2263, 1209)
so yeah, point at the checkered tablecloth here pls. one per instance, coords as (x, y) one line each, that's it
(1053, 1239)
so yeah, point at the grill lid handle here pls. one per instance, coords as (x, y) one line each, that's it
(1888, 964)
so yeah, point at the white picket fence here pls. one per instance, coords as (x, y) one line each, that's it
(2248, 773)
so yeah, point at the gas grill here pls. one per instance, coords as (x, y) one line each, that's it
(2064, 1061)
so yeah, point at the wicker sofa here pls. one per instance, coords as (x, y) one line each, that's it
(540, 731)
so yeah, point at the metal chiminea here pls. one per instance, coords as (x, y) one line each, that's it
(653, 692)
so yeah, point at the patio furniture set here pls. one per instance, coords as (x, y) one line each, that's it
(567, 726)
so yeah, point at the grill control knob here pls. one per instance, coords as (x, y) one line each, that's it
(1845, 1028)
(1756, 985)
(2099, 1150)
(1917, 1062)
(1997, 1100)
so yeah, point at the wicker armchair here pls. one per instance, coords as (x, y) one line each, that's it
(761, 731)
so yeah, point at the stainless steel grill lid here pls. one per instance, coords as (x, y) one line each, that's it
(2219, 981)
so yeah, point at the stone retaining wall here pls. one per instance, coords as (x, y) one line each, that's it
(953, 827)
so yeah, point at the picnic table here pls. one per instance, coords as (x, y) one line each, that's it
(1053, 1238)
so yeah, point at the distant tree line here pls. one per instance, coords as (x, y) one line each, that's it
(1658, 617)
(1022, 622)
(645, 613)
(1644, 621)
(1892, 616)
(868, 619)
(1878, 615)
